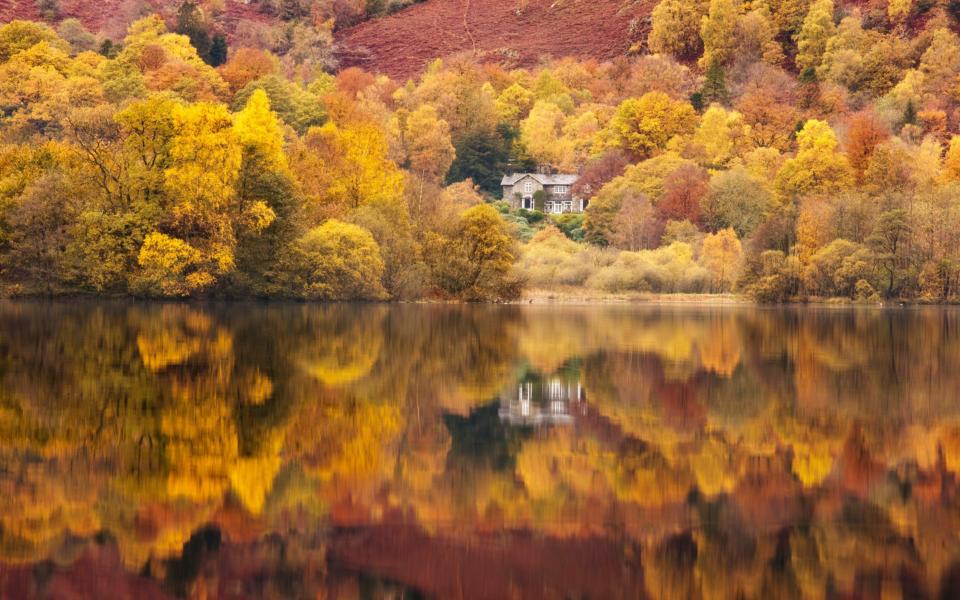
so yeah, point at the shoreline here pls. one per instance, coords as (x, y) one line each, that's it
(531, 297)
(581, 296)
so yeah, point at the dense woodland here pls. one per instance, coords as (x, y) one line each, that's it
(783, 150)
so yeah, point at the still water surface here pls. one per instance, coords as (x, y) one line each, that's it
(294, 451)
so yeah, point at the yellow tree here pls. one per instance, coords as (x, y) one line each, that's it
(940, 63)
(514, 103)
(756, 35)
(169, 267)
(951, 162)
(205, 160)
(718, 31)
(818, 167)
(542, 136)
(817, 29)
(474, 263)
(675, 27)
(345, 167)
(722, 136)
(260, 134)
(424, 140)
(898, 11)
(643, 126)
(336, 261)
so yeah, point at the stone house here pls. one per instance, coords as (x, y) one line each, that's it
(520, 190)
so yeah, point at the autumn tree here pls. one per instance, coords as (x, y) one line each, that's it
(475, 261)
(817, 29)
(720, 137)
(344, 167)
(265, 190)
(720, 254)
(246, 65)
(598, 172)
(756, 36)
(542, 135)
(940, 63)
(675, 27)
(864, 133)
(890, 243)
(818, 167)
(638, 225)
(171, 267)
(736, 200)
(643, 126)
(718, 32)
(683, 191)
(335, 261)
(768, 106)
(425, 143)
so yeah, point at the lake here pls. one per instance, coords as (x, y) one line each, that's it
(437, 451)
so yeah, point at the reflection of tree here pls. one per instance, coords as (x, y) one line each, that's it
(761, 454)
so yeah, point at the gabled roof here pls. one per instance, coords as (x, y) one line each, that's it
(558, 179)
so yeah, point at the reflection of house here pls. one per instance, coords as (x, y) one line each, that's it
(551, 401)
(521, 191)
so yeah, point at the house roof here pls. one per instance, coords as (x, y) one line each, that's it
(558, 179)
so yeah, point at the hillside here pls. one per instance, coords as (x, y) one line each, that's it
(113, 16)
(401, 44)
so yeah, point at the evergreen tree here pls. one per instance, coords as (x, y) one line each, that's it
(715, 85)
(190, 23)
(218, 51)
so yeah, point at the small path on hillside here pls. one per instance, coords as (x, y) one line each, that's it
(466, 25)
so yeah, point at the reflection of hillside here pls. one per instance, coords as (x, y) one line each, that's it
(723, 453)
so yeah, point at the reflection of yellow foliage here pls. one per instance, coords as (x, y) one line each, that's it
(252, 477)
(811, 464)
(201, 443)
(259, 387)
(363, 453)
(649, 480)
(545, 465)
(165, 348)
(339, 360)
(814, 444)
(720, 350)
(38, 506)
(712, 467)
(344, 438)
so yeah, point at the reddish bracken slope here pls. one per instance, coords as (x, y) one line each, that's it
(112, 16)
(402, 44)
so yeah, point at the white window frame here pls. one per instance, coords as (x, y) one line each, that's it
(567, 206)
(528, 187)
(560, 190)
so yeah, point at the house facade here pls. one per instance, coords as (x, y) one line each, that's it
(520, 190)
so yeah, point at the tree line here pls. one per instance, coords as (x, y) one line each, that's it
(783, 150)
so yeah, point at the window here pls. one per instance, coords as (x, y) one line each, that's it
(567, 206)
(528, 203)
(548, 206)
(528, 187)
(561, 189)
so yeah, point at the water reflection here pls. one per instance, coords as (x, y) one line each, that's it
(152, 450)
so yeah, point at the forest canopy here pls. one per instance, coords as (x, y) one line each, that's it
(785, 150)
